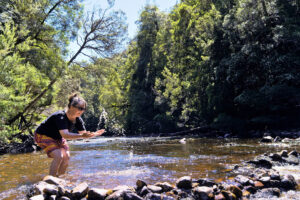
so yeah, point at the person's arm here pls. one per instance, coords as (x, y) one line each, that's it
(68, 135)
(92, 134)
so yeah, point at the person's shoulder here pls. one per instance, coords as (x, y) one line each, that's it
(59, 114)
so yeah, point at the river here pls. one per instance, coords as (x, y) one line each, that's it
(109, 162)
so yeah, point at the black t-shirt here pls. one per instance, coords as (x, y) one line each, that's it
(59, 121)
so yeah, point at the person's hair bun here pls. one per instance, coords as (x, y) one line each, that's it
(74, 99)
(72, 96)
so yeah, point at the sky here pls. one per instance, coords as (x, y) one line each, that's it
(132, 10)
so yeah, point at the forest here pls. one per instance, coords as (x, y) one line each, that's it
(229, 64)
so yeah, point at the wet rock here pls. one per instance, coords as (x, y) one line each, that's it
(287, 140)
(123, 187)
(155, 189)
(267, 139)
(180, 193)
(117, 195)
(42, 186)
(203, 192)
(152, 196)
(166, 197)
(250, 189)
(275, 183)
(52, 197)
(292, 159)
(206, 182)
(246, 193)
(184, 182)
(62, 191)
(236, 191)
(63, 198)
(124, 192)
(80, 191)
(166, 187)
(294, 153)
(51, 191)
(258, 184)
(284, 153)
(140, 184)
(128, 195)
(264, 162)
(37, 197)
(220, 196)
(265, 180)
(215, 188)
(276, 157)
(228, 195)
(269, 192)
(274, 175)
(97, 194)
(288, 182)
(54, 180)
(242, 180)
(277, 139)
(144, 191)
(195, 184)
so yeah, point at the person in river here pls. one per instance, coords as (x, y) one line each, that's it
(52, 134)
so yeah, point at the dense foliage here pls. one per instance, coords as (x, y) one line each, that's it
(231, 64)
(34, 59)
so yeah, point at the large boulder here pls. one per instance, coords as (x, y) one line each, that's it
(80, 191)
(54, 180)
(203, 193)
(155, 189)
(97, 194)
(184, 182)
(262, 161)
(242, 180)
(165, 186)
(140, 184)
(42, 188)
(288, 182)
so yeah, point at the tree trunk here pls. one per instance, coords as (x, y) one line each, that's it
(264, 7)
(13, 119)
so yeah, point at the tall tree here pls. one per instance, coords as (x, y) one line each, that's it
(102, 33)
(141, 92)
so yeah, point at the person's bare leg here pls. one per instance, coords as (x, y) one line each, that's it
(57, 159)
(65, 162)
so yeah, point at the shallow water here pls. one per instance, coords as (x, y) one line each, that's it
(109, 162)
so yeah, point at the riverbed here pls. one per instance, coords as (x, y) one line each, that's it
(109, 162)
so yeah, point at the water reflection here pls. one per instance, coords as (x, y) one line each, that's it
(108, 162)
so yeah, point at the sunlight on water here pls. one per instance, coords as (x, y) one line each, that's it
(109, 162)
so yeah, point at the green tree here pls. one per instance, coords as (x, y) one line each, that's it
(141, 92)
(262, 63)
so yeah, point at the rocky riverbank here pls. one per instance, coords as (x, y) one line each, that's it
(252, 179)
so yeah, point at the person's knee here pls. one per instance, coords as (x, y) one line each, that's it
(66, 156)
(57, 154)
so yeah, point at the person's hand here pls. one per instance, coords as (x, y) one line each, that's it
(99, 132)
(88, 134)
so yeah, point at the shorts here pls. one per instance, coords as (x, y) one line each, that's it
(49, 144)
